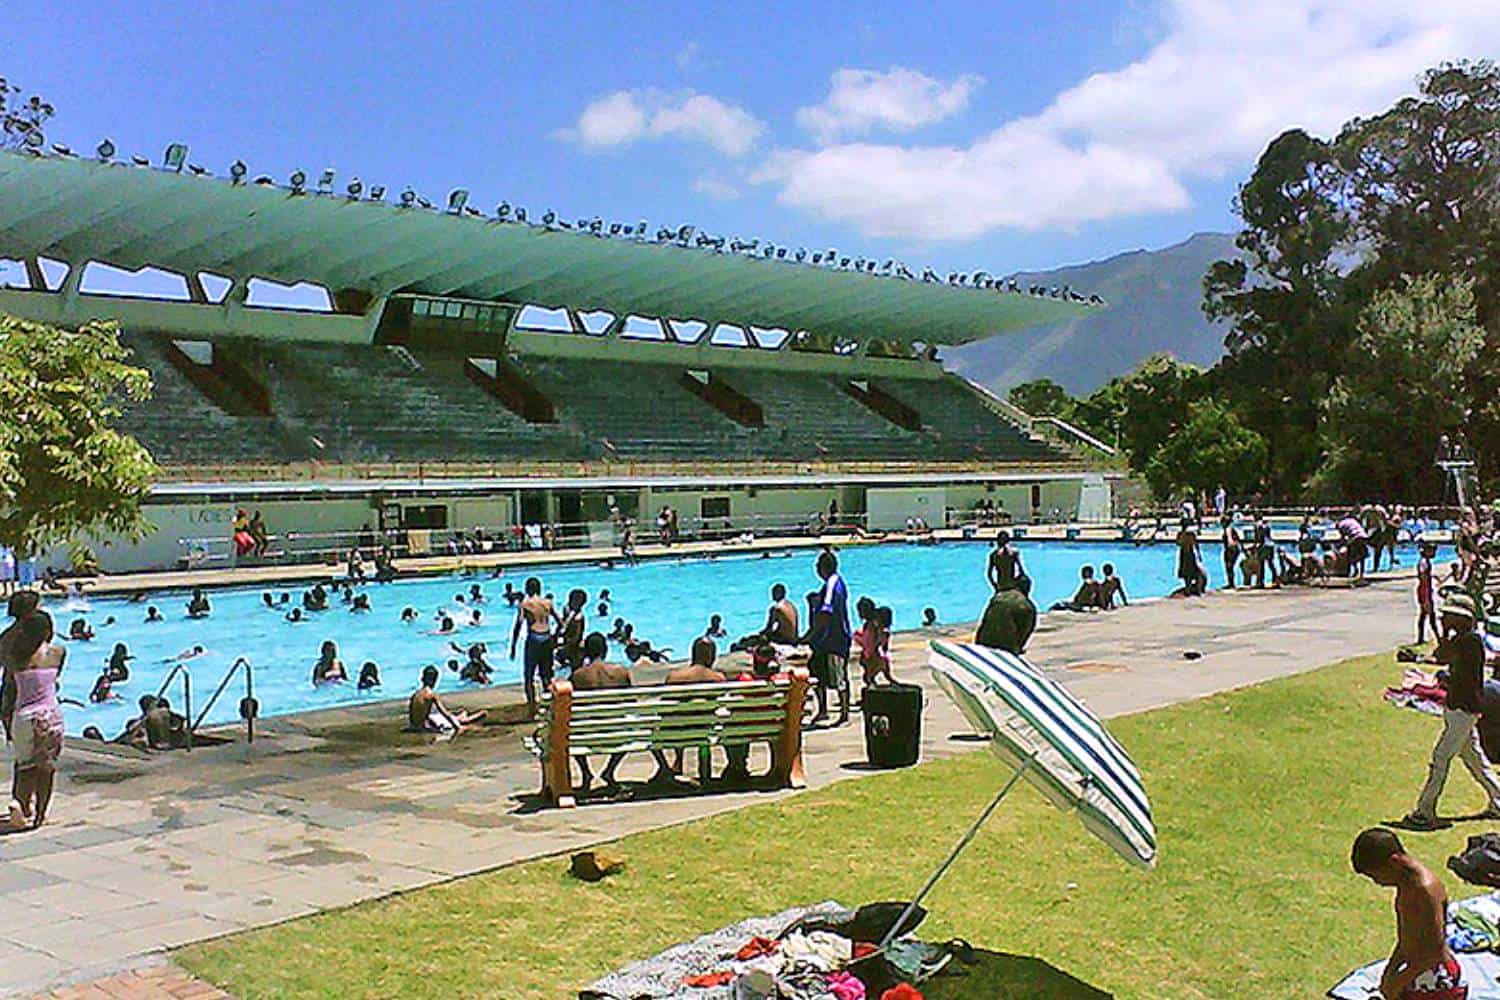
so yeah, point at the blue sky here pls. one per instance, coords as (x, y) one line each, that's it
(1003, 136)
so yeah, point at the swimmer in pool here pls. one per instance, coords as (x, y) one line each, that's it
(117, 669)
(79, 631)
(295, 616)
(267, 599)
(361, 603)
(369, 676)
(476, 595)
(153, 615)
(186, 654)
(198, 606)
(445, 625)
(409, 614)
(329, 669)
(101, 692)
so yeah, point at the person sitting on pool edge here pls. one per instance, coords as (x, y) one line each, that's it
(597, 674)
(426, 713)
(1086, 598)
(329, 669)
(1110, 589)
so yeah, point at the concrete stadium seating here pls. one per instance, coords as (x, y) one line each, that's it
(379, 404)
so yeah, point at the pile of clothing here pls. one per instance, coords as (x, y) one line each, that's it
(823, 952)
(1421, 691)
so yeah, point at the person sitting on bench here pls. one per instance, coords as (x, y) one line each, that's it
(597, 674)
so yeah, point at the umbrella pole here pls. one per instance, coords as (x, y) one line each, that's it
(953, 856)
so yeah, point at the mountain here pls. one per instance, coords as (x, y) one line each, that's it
(1154, 301)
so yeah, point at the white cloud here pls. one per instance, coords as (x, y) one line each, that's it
(1201, 103)
(716, 188)
(860, 100)
(629, 116)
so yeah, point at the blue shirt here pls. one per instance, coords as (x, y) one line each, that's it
(835, 636)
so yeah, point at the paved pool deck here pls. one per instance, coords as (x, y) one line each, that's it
(145, 853)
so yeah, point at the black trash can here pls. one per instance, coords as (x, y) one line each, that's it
(893, 724)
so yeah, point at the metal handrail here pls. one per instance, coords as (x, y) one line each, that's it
(187, 695)
(249, 717)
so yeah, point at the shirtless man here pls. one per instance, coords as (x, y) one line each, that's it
(574, 620)
(1005, 569)
(1421, 967)
(537, 615)
(701, 671)
(782, 624)
(597, 675)
(425, 712)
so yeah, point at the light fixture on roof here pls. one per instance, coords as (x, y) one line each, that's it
(408, 198)
(105, 150)
(139, 161)
(520, 214)
(353, 189)
(471, 210)
(174, 157)
(981, 279)
(801, 254)
(843, 262)
(768, 251)
(299, 182)
(502, 211)
(888, 266)
(549, 218)
(62, 150)
(266, 180)
(377, 193)
(457, 199)
(817, 258)
(423, 202)
(596, 226)
(781, 253)
(237, 169)
(929, 275)
(685, 233)
(663, 234)
(615, 229)
(325, 181)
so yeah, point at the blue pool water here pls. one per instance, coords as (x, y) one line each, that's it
(668, 601)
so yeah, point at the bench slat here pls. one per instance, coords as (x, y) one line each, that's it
(679, 704)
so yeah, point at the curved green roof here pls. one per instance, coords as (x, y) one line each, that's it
(133, 217)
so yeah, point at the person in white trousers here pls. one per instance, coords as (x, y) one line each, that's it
(1462, 650)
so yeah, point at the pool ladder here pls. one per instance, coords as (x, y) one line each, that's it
(249, 707)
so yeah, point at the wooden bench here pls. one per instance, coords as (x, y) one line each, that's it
(670, 717)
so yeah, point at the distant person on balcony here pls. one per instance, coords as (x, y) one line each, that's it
(257, 531)
(536, 615)
(1005, 571)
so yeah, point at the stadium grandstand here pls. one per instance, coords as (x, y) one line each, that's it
(486, 370)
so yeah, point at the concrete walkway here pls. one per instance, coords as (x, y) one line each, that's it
(147, 853)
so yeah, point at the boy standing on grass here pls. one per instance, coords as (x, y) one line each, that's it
(1421, 967)
(1426, 594)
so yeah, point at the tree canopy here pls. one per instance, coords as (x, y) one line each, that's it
(1330, 228)
(65, 471)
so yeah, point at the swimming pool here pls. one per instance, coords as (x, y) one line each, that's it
(668, 600)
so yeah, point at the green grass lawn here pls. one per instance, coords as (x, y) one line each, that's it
(1257, 796)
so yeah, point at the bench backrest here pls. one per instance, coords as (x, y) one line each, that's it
(624, 720)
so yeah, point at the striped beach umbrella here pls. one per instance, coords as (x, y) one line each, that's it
(1052, 740)
(1037, 726)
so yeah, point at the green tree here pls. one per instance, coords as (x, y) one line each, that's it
(1210, 448)
(65, 472)
(1142, 409)
(1286, 300)
(1401, 387)
(1042, 398)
